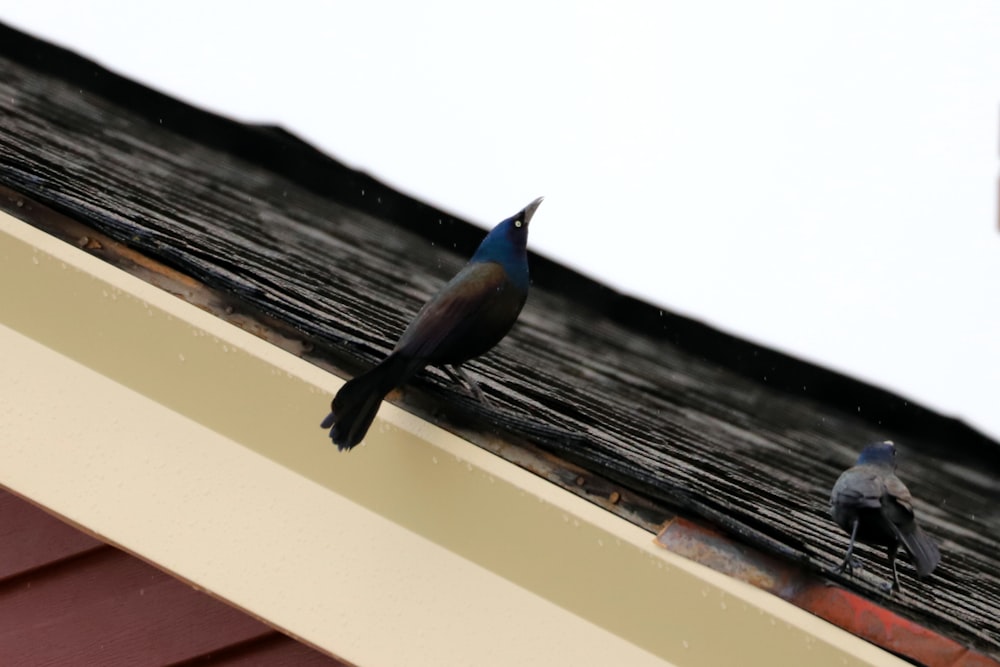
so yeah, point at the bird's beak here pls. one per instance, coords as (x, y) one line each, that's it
(529, 210)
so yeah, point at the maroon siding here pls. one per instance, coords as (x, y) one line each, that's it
(67, 598)
(30, 538)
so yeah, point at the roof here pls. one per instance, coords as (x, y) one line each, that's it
(642, 411)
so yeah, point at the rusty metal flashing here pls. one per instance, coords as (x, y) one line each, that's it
(850, 611)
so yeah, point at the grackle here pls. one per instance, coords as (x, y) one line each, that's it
(873, 506)
(470, 315)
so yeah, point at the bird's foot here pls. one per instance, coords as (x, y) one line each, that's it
(456, 373)
(848, 567)
(889, 587)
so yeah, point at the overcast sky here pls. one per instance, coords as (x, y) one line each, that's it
(818, 178)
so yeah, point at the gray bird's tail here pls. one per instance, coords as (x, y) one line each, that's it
(354, 407)
(923, 552)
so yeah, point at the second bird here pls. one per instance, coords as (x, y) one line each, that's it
(875, 507)
(470, 315)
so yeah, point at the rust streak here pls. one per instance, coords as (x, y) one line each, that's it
(845, 609)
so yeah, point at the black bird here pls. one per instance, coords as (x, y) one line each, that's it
(875, 507)
(470, 315)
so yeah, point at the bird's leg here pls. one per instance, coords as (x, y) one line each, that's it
(848, 562)
(456, 373)
(892, 563)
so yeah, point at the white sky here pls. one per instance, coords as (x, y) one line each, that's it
(820, 178)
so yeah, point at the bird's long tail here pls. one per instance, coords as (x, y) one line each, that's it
(354, 407)
(923, 551)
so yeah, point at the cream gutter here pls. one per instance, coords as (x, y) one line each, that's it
(196, 446)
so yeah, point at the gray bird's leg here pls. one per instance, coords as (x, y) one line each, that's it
(456, 373)
(848, 562)
(892, 563)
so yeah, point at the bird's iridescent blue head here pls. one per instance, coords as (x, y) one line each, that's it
(883, 453)
(507, 244)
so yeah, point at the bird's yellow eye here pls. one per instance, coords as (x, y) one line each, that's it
(518, 223)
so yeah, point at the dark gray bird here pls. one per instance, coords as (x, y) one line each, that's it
(470, 315)
(874, 507)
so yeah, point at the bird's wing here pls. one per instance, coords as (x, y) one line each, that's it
(897, 505)
(860, 486)
(452, 310)
(895, 488)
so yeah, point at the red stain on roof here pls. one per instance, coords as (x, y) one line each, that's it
(850, 611)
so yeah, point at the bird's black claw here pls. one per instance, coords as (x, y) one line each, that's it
(848, 567)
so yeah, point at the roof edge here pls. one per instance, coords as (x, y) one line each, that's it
(132, 416)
